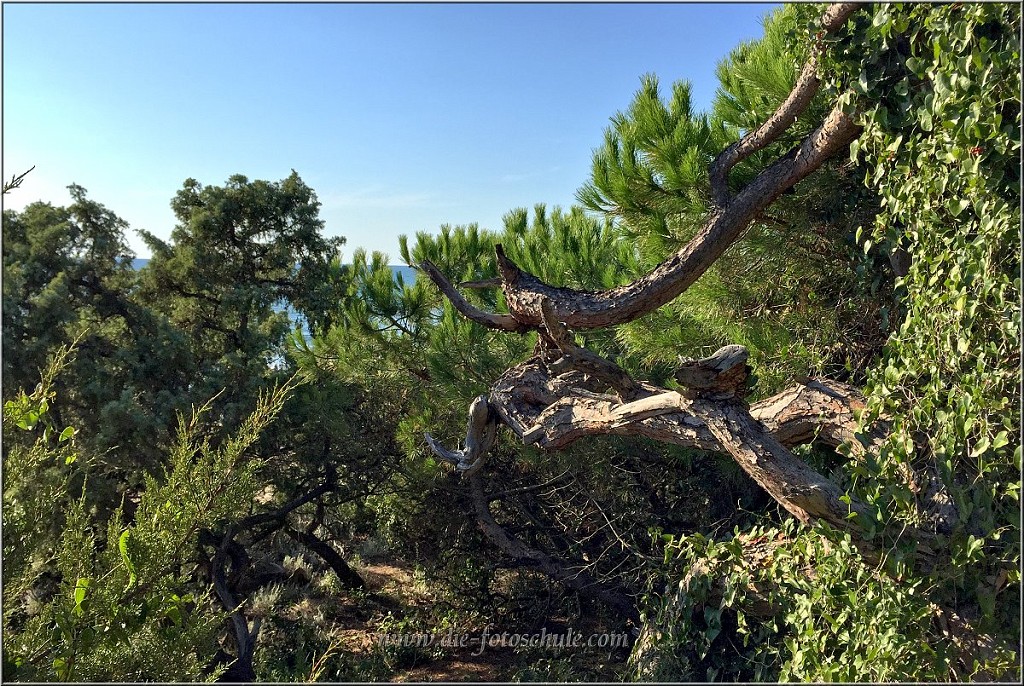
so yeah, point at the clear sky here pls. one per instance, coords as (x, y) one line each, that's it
(402, 117)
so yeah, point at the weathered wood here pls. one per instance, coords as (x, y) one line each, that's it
(480, 434)
(827, 411)
(550, 415)
(803, 492)
(583, 360)
(550, 412)
(723, 374)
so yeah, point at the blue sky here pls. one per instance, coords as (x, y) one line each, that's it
(401, 117)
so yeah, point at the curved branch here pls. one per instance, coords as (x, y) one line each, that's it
(551, 413)
(346, 575)
(581, 359)
(480, 434)
(524, 292)
(803, 492)
(245, 638)
(491, 320)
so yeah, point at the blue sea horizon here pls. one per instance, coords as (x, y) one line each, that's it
(408, 273)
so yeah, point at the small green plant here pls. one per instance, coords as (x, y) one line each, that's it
(113, 600)
(782, 603)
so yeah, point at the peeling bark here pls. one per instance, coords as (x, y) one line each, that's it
(551, 411)
(805, 493)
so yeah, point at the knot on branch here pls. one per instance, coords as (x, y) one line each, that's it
(722, 375)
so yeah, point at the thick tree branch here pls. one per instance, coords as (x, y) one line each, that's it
(524, 292)
(803, 492)
(551, 412)
(346, 575)
(245, 638)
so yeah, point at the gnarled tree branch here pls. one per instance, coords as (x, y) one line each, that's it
(480, 434)
(586, 310)
(792, 107)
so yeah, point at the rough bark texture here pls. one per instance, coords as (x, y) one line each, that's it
(799, 98)
(805, 493)
(583, 310)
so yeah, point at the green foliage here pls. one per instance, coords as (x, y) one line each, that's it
(238, 254)
(408, 339)
(942, 144)
(246, 246)
(781, 604)
(652, 169)
(88, 599)
(937, 90)
(68, 270)
(794, 289)
(898, 266)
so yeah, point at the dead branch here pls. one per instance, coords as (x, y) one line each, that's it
(16, 180)
(548, 411)
(583, 360)
(488, 319)
(480, 434)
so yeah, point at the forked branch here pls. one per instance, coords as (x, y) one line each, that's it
(491, 320)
